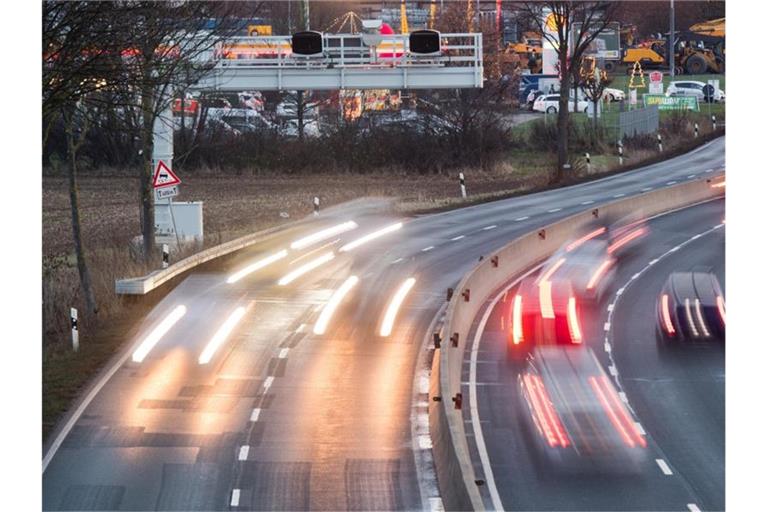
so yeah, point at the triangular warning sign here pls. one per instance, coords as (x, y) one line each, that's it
(164, 176)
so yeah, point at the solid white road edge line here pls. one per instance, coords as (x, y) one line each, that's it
(478, 431)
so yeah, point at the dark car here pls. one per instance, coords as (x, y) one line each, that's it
(543, 311)
(690, 308)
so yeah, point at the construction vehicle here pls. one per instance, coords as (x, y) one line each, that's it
(528, 51)
(701, 49)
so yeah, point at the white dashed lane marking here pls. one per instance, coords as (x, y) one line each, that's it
(607, 326)
(457, 238)
(587, 202)
(235, 501)
(693, 508)
(283, 353)
(619, 195)
(691, 176)
(520, 219)
(554, 210)
(255, 415)
(243, 455)
(664, 467)
(427, 249)
(671, 182)
(268, 382)
(486, 228)
(646, 189)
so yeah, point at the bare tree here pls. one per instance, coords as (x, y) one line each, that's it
(555, 21)
(593, 81)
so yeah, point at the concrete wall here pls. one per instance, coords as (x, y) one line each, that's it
(451, 450)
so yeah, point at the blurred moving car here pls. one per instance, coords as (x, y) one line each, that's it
(690, 308)
(550, 103)
(587, 263)
(575, 417)
(694, 88)
(543, 312)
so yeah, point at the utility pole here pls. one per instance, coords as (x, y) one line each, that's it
(671, 51)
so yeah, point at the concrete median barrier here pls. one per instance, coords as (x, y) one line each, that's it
(456, 476)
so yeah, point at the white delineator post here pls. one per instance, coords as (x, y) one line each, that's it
(658, 138)
(165, 255)
(696, 130)
(462, 185)
(621, 153)
(589, 166)
(75, 333)
(316, 205)
(714, 122)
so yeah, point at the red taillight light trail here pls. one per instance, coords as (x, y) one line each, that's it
(666, 316)
(545, 414)
(589, 236)
(517, 320)
(624, 240)
(598, 274)
(573, 321)
(616, 411)
(721, 308)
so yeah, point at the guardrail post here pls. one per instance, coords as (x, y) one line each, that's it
(465, 294)
(621, 153)
(75, 332)
(495, 261)
(165, 256)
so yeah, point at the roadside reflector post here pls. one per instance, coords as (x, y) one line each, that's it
(596, 213)
(465, 294)
(436, 339)
(165, 255)
(696, 130)
(542, 234)
(462, 185)
(316, 206)
(75, 333)
(658, 138)
(714, 122)
(621, 153)
(457, 401)
(455, 339)
(448, 295)
(589, 163)
(495, 261)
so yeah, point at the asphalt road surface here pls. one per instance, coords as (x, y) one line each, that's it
(677, 396)
(281, 418)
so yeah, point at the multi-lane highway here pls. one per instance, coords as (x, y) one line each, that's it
(235, 402)
(677, 396)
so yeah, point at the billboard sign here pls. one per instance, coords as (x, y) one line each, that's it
(671, 102)
(605, 46)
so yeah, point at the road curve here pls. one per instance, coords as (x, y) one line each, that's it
(678, 398)
(282, 418)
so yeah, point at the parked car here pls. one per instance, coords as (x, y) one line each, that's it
(610, 94)
(693, 88)
(531, 98)
(549, 104)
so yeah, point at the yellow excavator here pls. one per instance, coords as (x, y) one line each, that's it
(700, 49)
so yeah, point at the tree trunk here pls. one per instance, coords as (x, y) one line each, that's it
(562, 124)
(74, 204)
(145, 175)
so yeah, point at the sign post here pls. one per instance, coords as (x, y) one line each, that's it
(166, 185)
